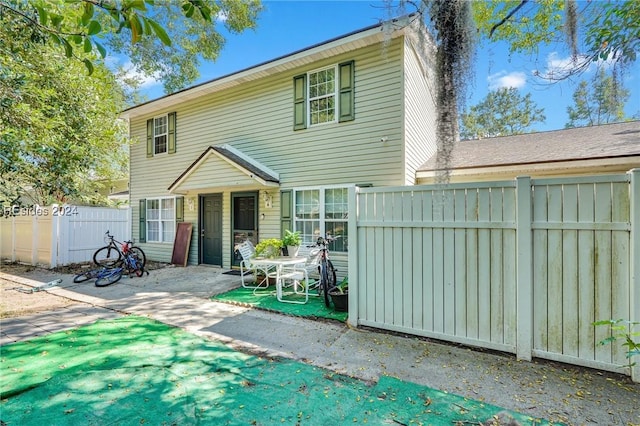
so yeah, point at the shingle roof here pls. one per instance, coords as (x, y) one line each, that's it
(583, 143)
(251, 167)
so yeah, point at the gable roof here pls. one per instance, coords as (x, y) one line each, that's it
(355, 40)
(240, 162)
(606, 141)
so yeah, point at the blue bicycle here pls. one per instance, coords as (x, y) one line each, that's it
(103, 276)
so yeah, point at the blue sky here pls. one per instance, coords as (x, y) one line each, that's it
(288, 26)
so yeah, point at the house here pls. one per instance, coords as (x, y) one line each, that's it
(275, 146)
(604, 149)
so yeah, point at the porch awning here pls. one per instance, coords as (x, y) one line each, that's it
(224, 166)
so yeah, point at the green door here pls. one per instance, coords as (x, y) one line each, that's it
(211, 229)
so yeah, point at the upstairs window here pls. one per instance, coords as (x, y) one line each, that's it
(161, 135)
(322, 96)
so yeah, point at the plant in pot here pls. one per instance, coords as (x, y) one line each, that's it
(269, 248)
(340, 295)
(291, 241)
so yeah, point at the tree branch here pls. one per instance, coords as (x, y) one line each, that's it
(506, 18)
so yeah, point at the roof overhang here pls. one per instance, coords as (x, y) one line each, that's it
(535, 170)
(356, 40)
(236, 160)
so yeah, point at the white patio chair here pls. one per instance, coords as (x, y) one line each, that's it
(294, 280)
(248, 252)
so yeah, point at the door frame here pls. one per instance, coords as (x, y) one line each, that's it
(255, 194)
(201, 198)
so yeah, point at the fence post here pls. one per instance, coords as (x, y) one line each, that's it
(634, 253)
(53, 244)
(524, 269)
(352, 258)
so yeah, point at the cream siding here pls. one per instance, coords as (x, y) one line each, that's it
(257, 118)
(420, 105)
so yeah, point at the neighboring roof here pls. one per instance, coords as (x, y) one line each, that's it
(345, 43)
(583, 143)
(250, 167)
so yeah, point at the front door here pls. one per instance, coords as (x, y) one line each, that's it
(211, 229)
(244, 220)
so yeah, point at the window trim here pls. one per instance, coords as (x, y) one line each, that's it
(165, 134)
(336, 94)
(322, 212)
(160, 220)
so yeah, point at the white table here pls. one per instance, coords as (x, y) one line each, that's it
(277, 263)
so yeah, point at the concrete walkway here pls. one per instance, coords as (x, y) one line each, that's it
(181, 297)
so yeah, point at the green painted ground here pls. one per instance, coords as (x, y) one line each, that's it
(135, 371)
(266, 299)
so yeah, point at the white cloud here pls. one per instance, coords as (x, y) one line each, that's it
(128, 71)
(502, 79)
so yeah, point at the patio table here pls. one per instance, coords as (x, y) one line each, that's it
(277, 264)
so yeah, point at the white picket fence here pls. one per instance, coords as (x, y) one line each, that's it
(522, 266)
(59, 234)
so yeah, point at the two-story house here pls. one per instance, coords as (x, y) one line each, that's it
(276, 146)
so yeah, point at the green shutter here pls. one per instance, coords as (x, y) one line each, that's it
(142, 231)
(300, 102)
(346, 84)
(286, 211)
(150, 137)
(179, 209)
(172, 132)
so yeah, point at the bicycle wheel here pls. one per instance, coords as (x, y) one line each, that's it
(107, 256)
(324, 283)
(109, 277)
(85, 276)
(331, 282)
(133, 263)
(142, 259)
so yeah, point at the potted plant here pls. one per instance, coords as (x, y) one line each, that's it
(291, 241)
(269, 248)
(340, 295)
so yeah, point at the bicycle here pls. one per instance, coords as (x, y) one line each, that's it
(104, 276)
(325, 269)
(114, 252)
(109, 275)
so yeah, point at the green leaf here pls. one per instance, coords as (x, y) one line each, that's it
(188, 9)
(135, 4)
(88, 13)
(56, 20)
(160, 32)
(87, 45)
(136, 28)
(68, 49)
(101, 49)
(94, 28)
(89, 65)
(42, 14)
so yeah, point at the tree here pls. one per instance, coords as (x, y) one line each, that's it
(59, 131)
(502, 112)
(610, 30)
(597, 103)
(164, 39)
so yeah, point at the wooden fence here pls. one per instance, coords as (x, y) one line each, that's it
(59, 234)
(522, 266)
